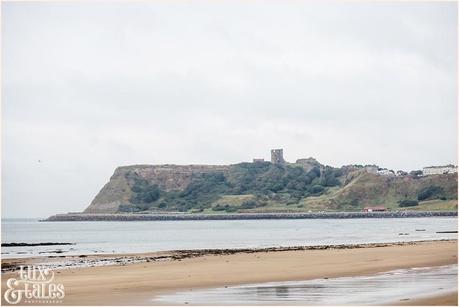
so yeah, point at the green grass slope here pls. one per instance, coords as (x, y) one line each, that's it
(365, 189)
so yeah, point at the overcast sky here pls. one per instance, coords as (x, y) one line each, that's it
(88, 87)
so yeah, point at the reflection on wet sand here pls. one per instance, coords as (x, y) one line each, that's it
(390, 287)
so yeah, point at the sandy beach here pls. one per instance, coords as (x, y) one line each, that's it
(449, 299)
(138, 283)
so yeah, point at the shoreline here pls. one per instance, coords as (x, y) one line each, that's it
(105, 259)
(77, 217)
(138, 283)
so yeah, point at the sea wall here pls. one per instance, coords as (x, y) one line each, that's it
(244, 216)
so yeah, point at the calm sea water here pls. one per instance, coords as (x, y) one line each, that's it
(128, 237)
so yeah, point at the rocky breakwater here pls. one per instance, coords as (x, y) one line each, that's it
(245, 216)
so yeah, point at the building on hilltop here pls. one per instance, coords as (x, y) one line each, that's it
(277, 156)
(439, 170)
(372, 169)
(386, 172)
(255, 160)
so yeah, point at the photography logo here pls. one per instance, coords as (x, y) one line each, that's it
(34, 286)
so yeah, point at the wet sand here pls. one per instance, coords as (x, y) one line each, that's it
(138, 283)
(441, 300)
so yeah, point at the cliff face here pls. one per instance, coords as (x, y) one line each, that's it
(167, 177)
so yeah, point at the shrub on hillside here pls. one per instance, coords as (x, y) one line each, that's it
(249, 204)
(231, 209)
(128, 208)
(430, 192)
(316, 189)
(144, 193)
(416, 173)
(219, 207)
(408, 203)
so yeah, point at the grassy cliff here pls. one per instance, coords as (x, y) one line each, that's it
(265, 187)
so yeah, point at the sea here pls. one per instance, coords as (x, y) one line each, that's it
(152, 236)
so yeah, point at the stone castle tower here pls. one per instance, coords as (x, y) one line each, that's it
(277, 156)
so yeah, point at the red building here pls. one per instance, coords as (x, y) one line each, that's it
(375, 209)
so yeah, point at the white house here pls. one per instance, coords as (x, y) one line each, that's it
(372, 169)
(438, 170)
(386, 172)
